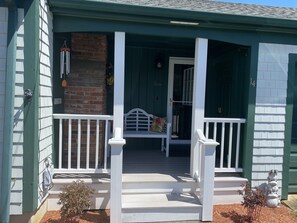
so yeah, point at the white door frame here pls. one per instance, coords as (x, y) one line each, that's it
(172, 62)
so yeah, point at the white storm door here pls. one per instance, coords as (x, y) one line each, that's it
(180, 94)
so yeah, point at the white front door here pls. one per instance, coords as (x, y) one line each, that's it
(180, 94)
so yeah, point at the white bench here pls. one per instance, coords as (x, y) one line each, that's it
(137, 124)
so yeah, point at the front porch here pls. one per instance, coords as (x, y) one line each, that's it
(153, 186)
(90, 145)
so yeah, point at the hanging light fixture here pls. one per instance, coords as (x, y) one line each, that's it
(159, 61)
(64, 63)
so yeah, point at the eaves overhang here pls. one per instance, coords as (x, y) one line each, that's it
(154, 15)
(12, 3)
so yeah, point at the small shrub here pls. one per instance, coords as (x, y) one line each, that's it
(74, 198)
(253, 201)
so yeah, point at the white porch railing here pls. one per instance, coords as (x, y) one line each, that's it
(205, 173)
(80, 139)
(227, 131)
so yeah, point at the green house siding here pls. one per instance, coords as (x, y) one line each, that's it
(270, 112)
(8, 19)
(227, 75)
(289, 162)
(145, 85)
(250, 113)
(31, 81)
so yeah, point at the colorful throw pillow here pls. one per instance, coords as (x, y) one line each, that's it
(158, 124)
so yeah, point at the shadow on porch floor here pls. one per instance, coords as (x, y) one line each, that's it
(153, 160)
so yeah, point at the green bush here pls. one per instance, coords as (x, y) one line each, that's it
(75, 198)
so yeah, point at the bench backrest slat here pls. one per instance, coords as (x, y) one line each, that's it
(138, 120)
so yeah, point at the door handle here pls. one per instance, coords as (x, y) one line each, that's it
(183, 102)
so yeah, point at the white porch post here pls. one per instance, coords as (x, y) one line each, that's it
(117, 141)
(201, 46)
(207, 178)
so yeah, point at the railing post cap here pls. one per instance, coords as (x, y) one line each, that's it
(211, 142)
(117, 140)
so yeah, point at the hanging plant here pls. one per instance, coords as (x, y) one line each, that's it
(109, 75)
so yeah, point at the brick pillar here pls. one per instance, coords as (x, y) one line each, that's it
(86, 90)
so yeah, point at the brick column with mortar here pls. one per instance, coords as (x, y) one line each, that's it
(86, 91)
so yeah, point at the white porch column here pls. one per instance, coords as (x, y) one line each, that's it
(207, 178)
(117, 141)
(201, 46)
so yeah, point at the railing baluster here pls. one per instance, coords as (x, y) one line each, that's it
(137, 121)
(222, 145)
(97, 144)
(200, 158)
(233, 155)
(88, 145)
(60, 142)
(215, 131)
(230, 145)
(69, 142)
(106, 143)
(237, 145)
(78, 142)
(80, 118)
(207, 129)
(216, 122)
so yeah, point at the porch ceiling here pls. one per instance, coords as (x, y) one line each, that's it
(208, 16)
(215, 47)
(160, 42)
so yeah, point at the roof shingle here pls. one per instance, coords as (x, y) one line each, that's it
(210, 6)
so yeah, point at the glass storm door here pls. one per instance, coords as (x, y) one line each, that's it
(180, 93)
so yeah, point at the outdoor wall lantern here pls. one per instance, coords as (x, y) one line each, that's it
(64, 63)
(28, 94)
(159, 62)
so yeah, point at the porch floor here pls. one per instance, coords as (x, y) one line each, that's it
(153, 160)
(146, 161)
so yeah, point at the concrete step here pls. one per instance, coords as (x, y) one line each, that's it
(226, 190)
(95, 183)
(158, 183)
(227, 182)
(161, 207)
